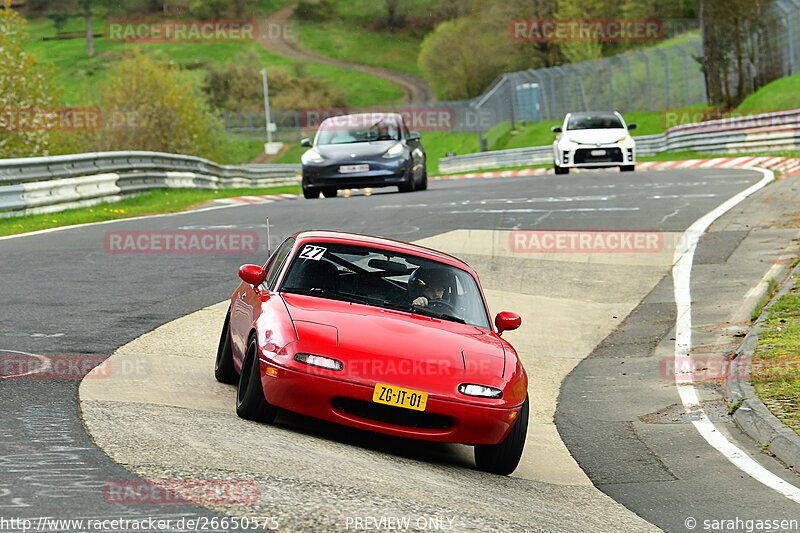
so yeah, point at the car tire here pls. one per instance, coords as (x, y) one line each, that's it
(224, 371)
(503, 458)
(250, 401)
(423, 184)
(310, 194)
(627, 168)
(560, 170)
(330, 193)
(409, 185)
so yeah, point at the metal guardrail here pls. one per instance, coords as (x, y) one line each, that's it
(766, 132)
(48, 184)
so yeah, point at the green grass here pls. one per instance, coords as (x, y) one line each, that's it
(82, 76)
(780, 94)
(772, 288)
(265, 7)
(438, 143)
(241, 150)
(352, 43)
(292, 156)
(149, 203)
(775, 369)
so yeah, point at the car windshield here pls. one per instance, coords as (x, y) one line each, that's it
(358, 129)
(593, 122)
(387, 279)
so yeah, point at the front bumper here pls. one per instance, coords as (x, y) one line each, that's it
(351, 405)
(582, 156)
(383, 173)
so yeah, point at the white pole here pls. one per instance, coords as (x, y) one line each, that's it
(266, 103)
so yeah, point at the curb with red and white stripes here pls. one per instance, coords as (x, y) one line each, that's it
(264, 199)
(788, 166)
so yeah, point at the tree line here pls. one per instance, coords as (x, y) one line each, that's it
(463, 55)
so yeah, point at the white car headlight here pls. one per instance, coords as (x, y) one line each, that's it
(484, 391)
(312, 156)
(625, 140)
(394, 151)
(319, 361)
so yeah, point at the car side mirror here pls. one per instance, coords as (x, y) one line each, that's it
(556, 129)
(414, 136)
(252, 274)
(306, 142)
(507, 321)
(632, 126)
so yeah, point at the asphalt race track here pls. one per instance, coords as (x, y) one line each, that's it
(64, 294)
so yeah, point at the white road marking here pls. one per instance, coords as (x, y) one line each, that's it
(523, 210)
(64, 228)
(681, 273)
(45, 365)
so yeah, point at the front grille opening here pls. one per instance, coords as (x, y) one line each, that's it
(584, 155)
(392, 415)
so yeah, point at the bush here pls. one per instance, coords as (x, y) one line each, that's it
(24, 85)
(237, 86)
(149, 105)
(314, 11)
(461, 57)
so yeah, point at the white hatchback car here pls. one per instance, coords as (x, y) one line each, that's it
(594, 140)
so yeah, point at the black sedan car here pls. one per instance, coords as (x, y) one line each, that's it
(363, 150)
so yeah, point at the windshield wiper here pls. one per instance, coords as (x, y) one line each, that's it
(423, 311)
(398, 306)
(329, 294)
(428, 312)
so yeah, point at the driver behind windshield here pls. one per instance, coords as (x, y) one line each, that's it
(427, 284)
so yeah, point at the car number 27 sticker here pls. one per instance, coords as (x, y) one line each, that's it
(314, 253)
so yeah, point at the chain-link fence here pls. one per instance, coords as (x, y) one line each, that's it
(778, 46)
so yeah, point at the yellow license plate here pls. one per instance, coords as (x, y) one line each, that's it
(408, 398)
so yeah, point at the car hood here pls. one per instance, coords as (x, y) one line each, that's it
(347, 151)
(603, 136)
(396, 347)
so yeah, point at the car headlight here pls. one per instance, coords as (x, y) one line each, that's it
(319, 360)
(625, 140)
(394, 151)
(312, 156)
(482, 391)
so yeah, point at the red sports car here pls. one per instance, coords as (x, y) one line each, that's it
(379, 335)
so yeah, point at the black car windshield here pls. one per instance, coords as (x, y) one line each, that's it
(593, 122)
(387, 279)
(347, 129)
